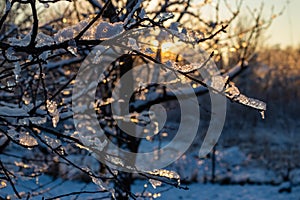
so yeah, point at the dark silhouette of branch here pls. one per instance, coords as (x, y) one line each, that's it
(6, 172)
(35, 26)
(76, 193)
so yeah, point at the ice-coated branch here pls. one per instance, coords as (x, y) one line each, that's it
(93, 21)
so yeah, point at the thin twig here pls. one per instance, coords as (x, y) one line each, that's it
(9, 179)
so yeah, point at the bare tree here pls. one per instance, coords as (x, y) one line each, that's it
(42, 50)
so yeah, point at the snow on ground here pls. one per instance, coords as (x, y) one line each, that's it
(231, 192)
(248, 181)
(196, 191)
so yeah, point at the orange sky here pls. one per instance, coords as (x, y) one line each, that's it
(285, 29)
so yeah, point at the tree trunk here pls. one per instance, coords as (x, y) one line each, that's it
(123, 186)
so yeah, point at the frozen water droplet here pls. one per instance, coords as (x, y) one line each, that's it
(185, 68)
(72, 48)
(11, 85)
(232, 91)
(262, 114)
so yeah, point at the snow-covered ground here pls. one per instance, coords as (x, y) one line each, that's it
(231, 192)
(56, 187)
(244, 177)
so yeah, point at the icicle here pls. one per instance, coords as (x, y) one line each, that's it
(72, 48)
(155, 183)
(17, 71)
(262, 112)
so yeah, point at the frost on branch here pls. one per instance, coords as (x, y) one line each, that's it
(101, 31)
(10, 54)
(44, 56)
(160, 174)
(54, 143)
(165, 16)
(103, 186)
(188, 36)
(44, 40)
(22, 137)
(64, 34)
(52, 109)
(20, 42)
(164, 173)
(233, 93)
(33, 120)
(106, 30)
(187, 68)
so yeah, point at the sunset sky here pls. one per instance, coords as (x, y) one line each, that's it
(285, 29)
